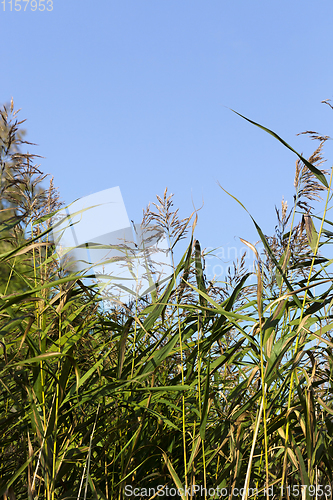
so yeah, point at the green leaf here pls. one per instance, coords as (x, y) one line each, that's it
(311, 232)
(205, 408)
(174, 476)
(320, 176)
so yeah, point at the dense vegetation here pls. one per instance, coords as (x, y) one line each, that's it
(226, 387)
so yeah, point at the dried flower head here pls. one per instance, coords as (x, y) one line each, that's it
(306, 184)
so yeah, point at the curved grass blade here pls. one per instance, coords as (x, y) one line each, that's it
(320, 176)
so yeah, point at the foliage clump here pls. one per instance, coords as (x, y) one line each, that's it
(222, 385)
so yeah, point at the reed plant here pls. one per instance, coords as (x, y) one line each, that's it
(217, 390)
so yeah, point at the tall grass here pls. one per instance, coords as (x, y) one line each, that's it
(204, 386)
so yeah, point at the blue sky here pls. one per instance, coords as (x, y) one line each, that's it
(136, 94)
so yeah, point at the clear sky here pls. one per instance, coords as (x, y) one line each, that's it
(136, 94)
